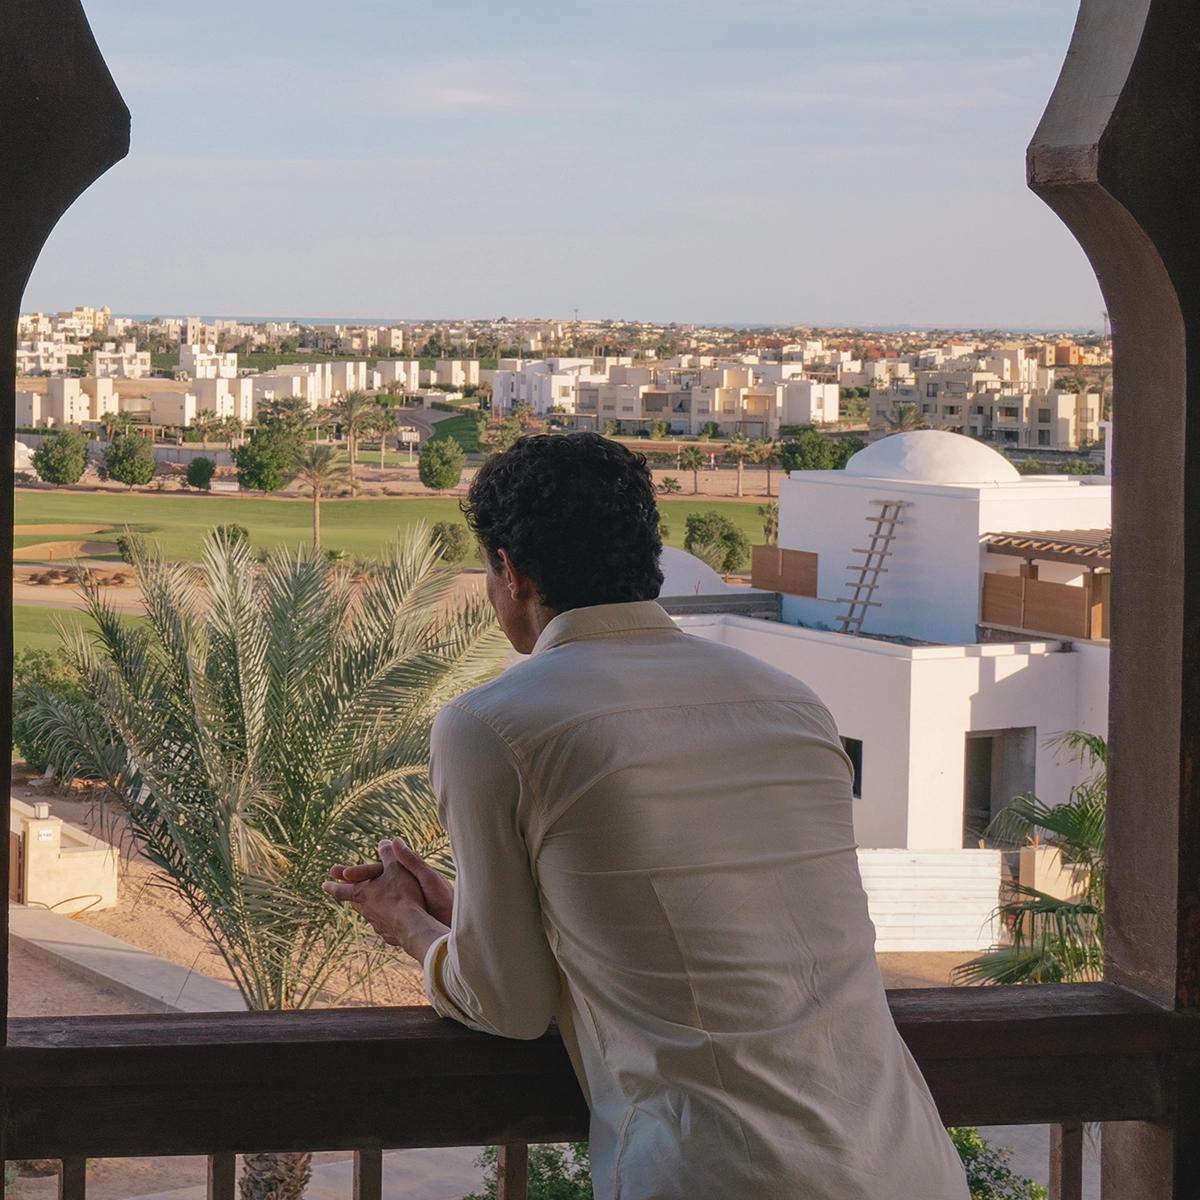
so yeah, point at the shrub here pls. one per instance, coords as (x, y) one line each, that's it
(556, 1172)
(130, 546)
(234, 533)
(710, 429)
(130, 459)
(40, 675)
(263, 462)
(453, 540)
(62, 457)
(813, 450)
(612, 428)
(988, 1175)
(200, 472)
(719, 538)
(441, 463)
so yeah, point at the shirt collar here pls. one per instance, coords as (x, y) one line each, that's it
(602, 621)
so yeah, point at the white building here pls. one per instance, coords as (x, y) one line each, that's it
(67, 401)
(197, 361)
(392, 339)
(456, 372)
(225, 397)
(44, 357)
(173, 408)
(404, 374)
(348, 377)
(126, 363)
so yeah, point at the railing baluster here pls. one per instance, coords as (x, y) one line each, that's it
(368, 1174)
(72, 1179)
(1066, 1162)
(512, 1171)
(222, 1169)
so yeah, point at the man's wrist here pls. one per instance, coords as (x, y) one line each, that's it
(419, 931)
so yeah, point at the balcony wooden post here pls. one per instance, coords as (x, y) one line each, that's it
(1117, 156)
(512, 1171)
(1066, 1162)
(222, 1170)
(72, 1179)
(368, 1174)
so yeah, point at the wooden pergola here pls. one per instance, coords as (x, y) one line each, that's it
(1087, 548)
(1117, 156)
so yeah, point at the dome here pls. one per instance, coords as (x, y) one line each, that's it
(686, 575)
(932, 456)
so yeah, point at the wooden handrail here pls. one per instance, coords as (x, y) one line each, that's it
(359, 1079)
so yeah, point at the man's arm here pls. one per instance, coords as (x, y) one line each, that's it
(495, 970)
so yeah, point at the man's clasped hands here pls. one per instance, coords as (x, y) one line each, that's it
(404, 899)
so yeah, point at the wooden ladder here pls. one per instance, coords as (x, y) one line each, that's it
(870, 569)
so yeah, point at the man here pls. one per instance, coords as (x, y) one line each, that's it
(653, 842)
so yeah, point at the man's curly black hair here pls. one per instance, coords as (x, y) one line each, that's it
(575, 513)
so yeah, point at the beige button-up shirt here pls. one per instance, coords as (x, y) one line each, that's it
(654, 843)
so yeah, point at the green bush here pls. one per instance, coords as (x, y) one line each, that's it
(453, 539)
(263, 462)
(556, 1172)
(612, 428)
(40, 675)
(988, 1175)
(130, 546)
(200, 472)
(440, 464)
(812, 450)
(712, 532)
(237, 534)
(62, 457)
(130, 459)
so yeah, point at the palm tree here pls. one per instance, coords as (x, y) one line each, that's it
(206, 423)
(385, 421)
(317, 468)
(1054, 940)
(264, 722)
(691, 458)
(354, 412)
(905, 418)
(770, 515)
(232, 427)
(115, 423)
(739, 448)
(767, 453)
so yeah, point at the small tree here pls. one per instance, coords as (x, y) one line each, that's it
(989, 1177)
(206, 423)
(691, 458)
(200, 472)
(770, 515)
(502, 435)
(355, 412)
(661, 429)
(62, 457)
(233, 533)
(670, 484)
(612, 428)
(714, 530)
(441, 463)
(262, 463)
(767, 453)
(452, 539)
(317, 469)
(904, 418)
(131, 546)
(130, 460)
(810, 451)
(739, 448)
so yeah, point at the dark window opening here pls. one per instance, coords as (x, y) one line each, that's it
(1000, 765)
(853, 748)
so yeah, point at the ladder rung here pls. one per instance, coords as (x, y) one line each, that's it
(860, 567)
(881, 553)
(885, 520)
(861, 603)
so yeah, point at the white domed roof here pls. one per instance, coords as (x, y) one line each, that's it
(686, 575)
(932, 456)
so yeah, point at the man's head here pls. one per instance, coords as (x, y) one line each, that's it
(573, 516)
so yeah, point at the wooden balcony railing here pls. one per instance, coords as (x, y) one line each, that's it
(1039, 606)
(367, 1080)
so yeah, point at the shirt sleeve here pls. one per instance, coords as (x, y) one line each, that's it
(494, 971)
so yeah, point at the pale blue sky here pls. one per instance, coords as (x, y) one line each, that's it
(849, 161)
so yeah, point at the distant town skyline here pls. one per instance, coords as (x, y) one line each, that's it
(779, 162)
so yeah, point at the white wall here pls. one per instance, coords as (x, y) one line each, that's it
(912, 707)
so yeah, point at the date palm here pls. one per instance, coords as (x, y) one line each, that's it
(905, 418)
(1054, 940)
(738, 449)
(265, 721)
(691, 458)
(354, 412)
(767, 453)
(206, 423)
(318, 469)
(384, 422)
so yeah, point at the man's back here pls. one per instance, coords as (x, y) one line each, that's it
(683, 815)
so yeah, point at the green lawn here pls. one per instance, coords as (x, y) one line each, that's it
(355, 526)
(464, 430)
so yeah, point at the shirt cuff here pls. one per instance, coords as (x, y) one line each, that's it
(434, 957)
